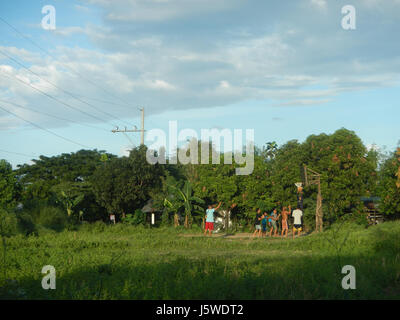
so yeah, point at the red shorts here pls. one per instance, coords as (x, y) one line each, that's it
(209, 225)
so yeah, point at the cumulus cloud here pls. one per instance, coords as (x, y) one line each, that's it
(161, 10)
(180, 55)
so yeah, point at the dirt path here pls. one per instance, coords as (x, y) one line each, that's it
(231, 236)
(241, 236)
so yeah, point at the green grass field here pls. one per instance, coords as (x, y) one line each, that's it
(121, 262)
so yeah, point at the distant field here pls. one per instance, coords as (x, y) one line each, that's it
(120, 262)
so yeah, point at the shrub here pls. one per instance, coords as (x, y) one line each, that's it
(26, 225)
(52, 218)
(8, 223)
(98, 226)
(165, 221)
(139, 217)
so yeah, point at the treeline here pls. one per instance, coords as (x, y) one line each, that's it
(89, 185)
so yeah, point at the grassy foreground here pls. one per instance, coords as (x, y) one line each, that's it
(120, 262)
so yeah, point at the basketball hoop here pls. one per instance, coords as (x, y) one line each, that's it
(299, 186)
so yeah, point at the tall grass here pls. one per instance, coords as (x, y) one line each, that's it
(124, 262)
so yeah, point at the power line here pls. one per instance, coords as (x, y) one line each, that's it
(61, 89)
(17, 153)
(68, 68)
(52, 116)
(102, 101)
(55, 99)
(65, 66)
(47, 130)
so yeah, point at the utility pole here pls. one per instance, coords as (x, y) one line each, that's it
(142, 131)
(117, 129)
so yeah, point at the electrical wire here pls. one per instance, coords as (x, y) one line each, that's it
(42, 128)
(65, 66)
(61, 89)
(55, 99)
(52, 116)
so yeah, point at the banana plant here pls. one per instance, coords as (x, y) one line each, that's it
(172, 207)
(184, 199)
(70, 202)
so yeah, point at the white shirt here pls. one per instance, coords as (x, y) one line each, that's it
(297, 214)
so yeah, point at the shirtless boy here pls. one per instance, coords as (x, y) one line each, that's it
(285, 213)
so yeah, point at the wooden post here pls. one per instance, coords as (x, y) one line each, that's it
(318, 211)
(312, 177)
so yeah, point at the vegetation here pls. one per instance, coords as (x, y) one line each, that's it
(91, 185)
(125, 262)
(389, 184)
(54, 212)
(122, 185)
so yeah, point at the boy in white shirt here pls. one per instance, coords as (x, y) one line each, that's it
(297, 214)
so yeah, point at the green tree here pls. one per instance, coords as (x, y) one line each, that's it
(347, 170)
(39, 178)
(9, 189)
(122, 185)
(8, 228)
(389, 185)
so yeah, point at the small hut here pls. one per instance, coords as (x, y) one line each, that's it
(371, 207)
(152, 214)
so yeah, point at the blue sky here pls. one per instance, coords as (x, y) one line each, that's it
(285, 69)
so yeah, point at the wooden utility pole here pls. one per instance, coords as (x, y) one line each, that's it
(312, 178)
(135, 129)
(142, 130)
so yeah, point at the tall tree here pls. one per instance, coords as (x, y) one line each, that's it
(122, 185)
(9, 189)
(38, 178)
(389, 185)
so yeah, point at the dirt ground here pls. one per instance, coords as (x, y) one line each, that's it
(236, 236)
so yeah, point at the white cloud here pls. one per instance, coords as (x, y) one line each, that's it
(81, 8)
(160, 84)
(224, 85)
(68, 31)
(305, 102)
(161, 10)
(184, 57)
(319, 3)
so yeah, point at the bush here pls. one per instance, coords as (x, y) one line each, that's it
(52, 218)
(98, 226)
(93, 227)
(8, 223)
(72, 224)
(165, 221)
(139, 217)
(26, 225)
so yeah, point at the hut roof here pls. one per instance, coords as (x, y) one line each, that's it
(149, 207)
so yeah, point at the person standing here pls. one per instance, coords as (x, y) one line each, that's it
(285, 215)
(257, 224)
(297, 225)
(264, 224)
(210, 218)
(272, 220)
(300, 200)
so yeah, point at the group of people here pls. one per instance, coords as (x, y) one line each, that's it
(264, 220)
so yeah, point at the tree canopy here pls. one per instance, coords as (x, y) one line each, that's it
(122, 185)
(90, 184)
